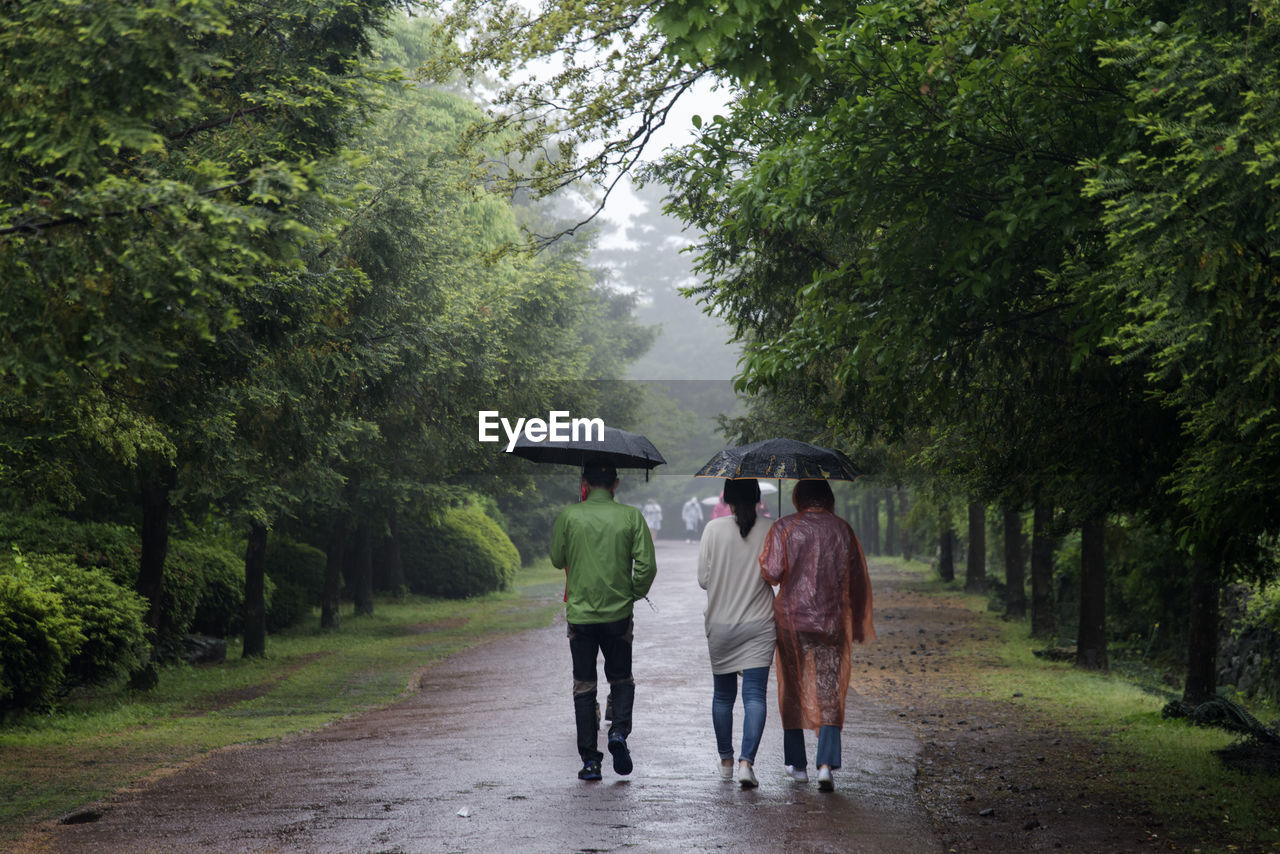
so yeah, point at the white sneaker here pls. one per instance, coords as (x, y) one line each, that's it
(800, 775)
(825, 783)
(746, 776)
(726, 771)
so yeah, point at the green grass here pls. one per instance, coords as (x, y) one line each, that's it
(103, 740)
(1169, 764)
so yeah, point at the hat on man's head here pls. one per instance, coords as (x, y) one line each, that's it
(599, 472)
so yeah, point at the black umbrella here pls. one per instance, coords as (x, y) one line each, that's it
(624, 450)
(782, 459)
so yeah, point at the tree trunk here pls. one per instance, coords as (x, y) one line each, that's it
(871, 522)
(364, 568)
(975, 568)
(1015, 593)
(395, 562)
(255, 585)
(1044, 623)
(891, 524)
(335, 550)
(947, 547)
(1202, 634)
(1091, 639)
(908, 547)
(155, 548)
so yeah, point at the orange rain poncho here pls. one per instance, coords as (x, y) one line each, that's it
(823, 605)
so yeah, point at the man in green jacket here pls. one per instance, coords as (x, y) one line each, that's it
(607, 554)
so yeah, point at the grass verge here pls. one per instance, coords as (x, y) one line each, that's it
(1168, 765)
(101, 741)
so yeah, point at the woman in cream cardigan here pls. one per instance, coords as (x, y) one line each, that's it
(739, 623)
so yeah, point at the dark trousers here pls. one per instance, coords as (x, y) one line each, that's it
(614, 640)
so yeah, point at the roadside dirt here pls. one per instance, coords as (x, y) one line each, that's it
(482, 759)
(993, 775)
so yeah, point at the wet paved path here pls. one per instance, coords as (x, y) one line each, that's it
(483, 760)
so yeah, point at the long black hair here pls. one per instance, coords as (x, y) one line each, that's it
(743, 494)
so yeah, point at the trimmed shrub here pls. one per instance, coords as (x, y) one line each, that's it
(37, 640)
(530, 519)
(297, 570)
(217, 574)
(111, 618)
(114, 548)
(467, 554)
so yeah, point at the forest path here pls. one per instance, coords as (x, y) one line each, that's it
(483, 759)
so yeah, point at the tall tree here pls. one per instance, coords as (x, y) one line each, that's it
(1015, 597)
(141, 211)
(1091, 634)
(1190, 214)
(1043, 620)
(975, 568)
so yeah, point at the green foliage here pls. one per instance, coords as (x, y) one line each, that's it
(613, 85)
(465, 555)
(246, 261)
(297, 571)
(1191, 215)
(1148, 590)
(110, 617)
(37, 640)
(529, 515)
(113, 548)
(187, 568)
(1264, 608)
(218, 573)
(879, 237)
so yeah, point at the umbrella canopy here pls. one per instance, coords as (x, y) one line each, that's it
(782, 459)
(624, 450)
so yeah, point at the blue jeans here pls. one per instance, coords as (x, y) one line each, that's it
(755, 681)
(828, 747)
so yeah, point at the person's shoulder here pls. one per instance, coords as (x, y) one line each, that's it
(788, 521)
(575, 509)
(625, 509)
(716, 525)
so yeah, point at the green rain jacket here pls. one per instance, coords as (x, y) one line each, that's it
(608, 553)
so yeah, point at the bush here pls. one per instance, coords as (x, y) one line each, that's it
(111, 618)
(530, 519)
(297, 570)
(37, 640)
(467, 554)
(114, 548)
(217, 575)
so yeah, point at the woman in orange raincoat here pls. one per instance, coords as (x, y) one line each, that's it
(823, 605)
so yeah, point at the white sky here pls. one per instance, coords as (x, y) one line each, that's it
(623, 205)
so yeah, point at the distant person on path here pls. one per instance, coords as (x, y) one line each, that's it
(692, 515)
(823, 605)
(739, 622)
(653, 517)
(721, 509)
(608, 557)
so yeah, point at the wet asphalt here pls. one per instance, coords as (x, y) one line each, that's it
(482, 759)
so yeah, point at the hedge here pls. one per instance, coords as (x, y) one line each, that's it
(466, 554)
